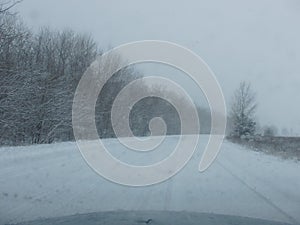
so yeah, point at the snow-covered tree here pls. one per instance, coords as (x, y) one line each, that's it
(243, 111)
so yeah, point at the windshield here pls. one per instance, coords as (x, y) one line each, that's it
(149, 112)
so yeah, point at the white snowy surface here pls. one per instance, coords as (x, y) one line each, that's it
(45, 181)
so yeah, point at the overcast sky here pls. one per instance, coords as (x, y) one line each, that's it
(255, 40)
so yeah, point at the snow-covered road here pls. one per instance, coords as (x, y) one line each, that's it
(53, 180)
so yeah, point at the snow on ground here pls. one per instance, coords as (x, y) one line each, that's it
(45, 181)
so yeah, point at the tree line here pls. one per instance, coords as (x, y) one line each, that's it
(39, 73)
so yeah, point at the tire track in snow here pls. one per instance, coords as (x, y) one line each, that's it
(168, 195)
(267, 200)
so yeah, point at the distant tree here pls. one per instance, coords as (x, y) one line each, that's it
(242, 112)
(285, 132)
(270, 131)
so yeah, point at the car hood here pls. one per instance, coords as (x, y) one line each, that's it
(150, 218)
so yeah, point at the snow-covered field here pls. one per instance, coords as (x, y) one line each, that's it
(53, 180)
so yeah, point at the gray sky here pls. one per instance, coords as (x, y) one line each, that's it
(254, 40)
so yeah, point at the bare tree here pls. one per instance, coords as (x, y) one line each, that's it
(243, 111)
(5, 6)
